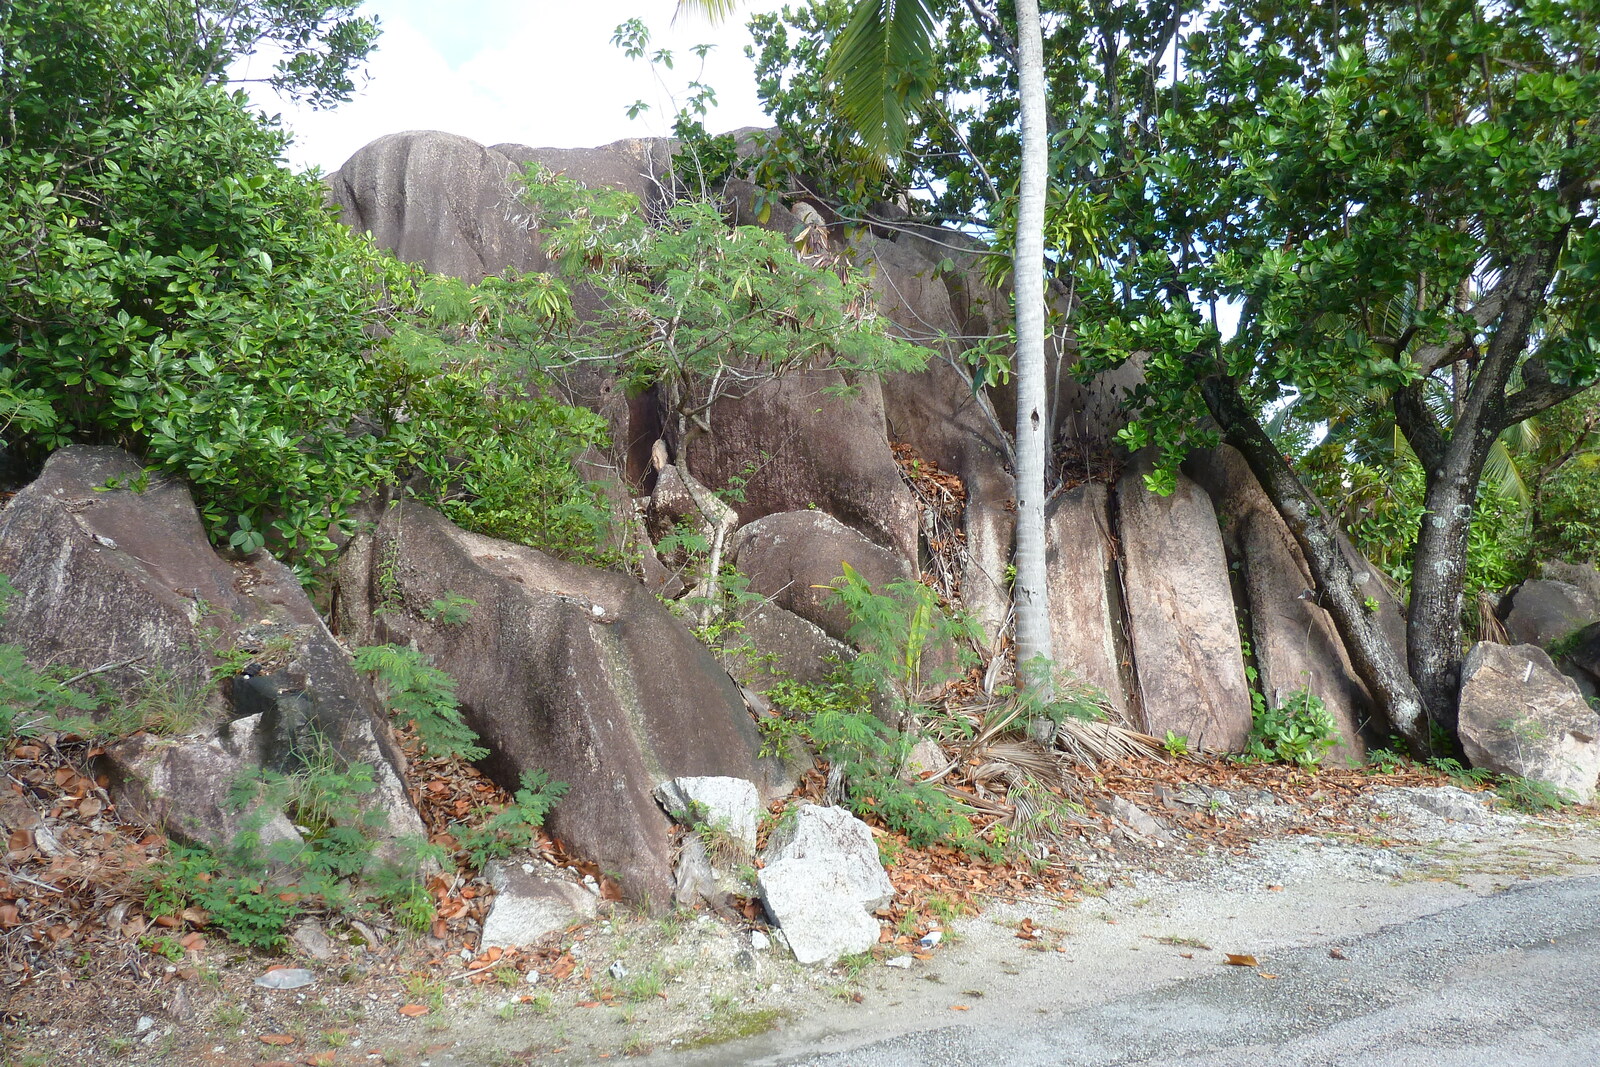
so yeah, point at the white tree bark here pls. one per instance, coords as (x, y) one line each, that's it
(1029, 593)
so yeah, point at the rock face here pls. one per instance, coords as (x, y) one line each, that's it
(531, 900)
(1180, 614)
(790, 555)
(1541, 611)
(1086, 595)
(790, 445)
(183, 786)
(575, 671)
(821, 880)
(449, 203)
(1581, 659)
(1295, 642)
(783, 645)
(1585, 576)
(126, 576)
(1519, 715)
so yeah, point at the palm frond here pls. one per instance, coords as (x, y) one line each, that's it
(881, 66)
(1501, 472)
(714, 10)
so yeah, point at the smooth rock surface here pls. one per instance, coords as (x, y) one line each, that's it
(1086, 627)
(822, 878)
(1181, 619)
(777, 644)
(1519, 715)
(1295, 642)
(1540, 612)
(792, 557)
(789, 445)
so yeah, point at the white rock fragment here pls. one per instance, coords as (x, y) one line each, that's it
(821, 881)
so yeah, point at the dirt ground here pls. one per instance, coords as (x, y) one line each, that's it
(1240, 859)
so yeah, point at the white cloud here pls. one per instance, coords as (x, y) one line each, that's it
(544, 74)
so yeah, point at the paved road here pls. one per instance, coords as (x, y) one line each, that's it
(1507, 980)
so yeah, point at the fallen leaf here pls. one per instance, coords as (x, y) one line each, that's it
(1264, 974)
(9, 915)
(588, 1003)
(961, 1007)
(1334, 953)
(1275, 888)
(411, 1011)
(276, 1039)
(1187, 955)
(1239, 959)
(322, 1059)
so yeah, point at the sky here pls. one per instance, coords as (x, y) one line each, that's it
(535, 72)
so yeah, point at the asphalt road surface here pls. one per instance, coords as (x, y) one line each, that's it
(1501, 981)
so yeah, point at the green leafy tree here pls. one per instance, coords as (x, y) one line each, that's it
(1397, 196)
(167, 286)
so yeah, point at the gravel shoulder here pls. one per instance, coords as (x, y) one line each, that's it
(693, 990)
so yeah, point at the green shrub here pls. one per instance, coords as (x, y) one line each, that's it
(1299, 731)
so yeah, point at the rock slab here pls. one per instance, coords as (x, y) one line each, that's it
(1519, 715)
(562, 668)
(1543, 611)
(821, 881)
(1181, 619)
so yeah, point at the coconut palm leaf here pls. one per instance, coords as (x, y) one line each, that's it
(882, 66)
(715, 10)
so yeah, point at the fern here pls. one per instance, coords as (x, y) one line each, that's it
(423, 695)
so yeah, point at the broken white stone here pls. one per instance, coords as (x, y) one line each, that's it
(821, 880)
(528, 906)
(727, 807)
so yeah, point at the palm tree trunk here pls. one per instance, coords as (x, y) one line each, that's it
(1033, 430)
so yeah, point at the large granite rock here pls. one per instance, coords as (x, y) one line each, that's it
(792, 558)
(1585, 576)
(1086, 594)
(1519, 715)
(1580, 659)
(1294, 639)
(125, 576)
(576, 671)
(774, 644)
(1540, 611)
(450, 204)
(788, 444)
(821, 880)
(1181, 619)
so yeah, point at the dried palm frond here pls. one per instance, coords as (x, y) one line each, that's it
(1490, 628)
(1104, 742)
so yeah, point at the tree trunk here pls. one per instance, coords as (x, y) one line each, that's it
(1378, 664)
(1029, 593)
(1452, 465)
(1438, 582)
